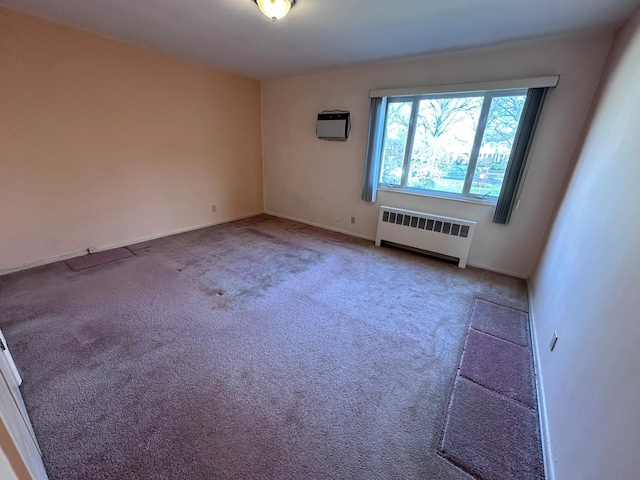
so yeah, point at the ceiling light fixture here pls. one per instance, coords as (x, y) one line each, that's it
(275, 9)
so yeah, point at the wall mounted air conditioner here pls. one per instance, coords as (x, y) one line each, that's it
(333, 125)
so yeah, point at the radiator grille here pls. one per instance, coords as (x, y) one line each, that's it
(422, 223)
(425, 231)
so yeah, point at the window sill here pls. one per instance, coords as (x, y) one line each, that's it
(441, 195)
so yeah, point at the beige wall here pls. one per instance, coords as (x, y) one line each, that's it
(587, 286)
(320, 182)
(103, 143)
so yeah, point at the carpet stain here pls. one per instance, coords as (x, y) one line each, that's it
(242, 275)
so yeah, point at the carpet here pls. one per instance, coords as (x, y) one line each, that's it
(501, 321)
(499, 365)
(492, 436)
(96, 259)
(492, 429)
(254, 349)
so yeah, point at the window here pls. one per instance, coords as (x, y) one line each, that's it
(466, 141)
(456, 144)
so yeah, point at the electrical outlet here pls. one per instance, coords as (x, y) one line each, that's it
(353, 220)
(213, 208)
(554, 340)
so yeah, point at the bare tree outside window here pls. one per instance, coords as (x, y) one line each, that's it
(445, 130)
(447, 135)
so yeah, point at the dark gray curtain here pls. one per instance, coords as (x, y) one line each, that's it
(519, 153)
(374, 149)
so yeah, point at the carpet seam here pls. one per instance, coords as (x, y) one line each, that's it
(495, 336)
(528, 348)
(501, 305)
(446, 458)
(497, 392)
(447, 411)
(489, 388)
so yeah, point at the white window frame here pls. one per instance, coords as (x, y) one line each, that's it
(488, 97)
(490, 90)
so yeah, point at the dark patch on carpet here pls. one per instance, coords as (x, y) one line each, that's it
(491, 436)
(500, 321)
(141, 247)
(97, 259)
(499, 365)
(244, 264)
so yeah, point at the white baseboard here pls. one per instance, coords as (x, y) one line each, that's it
(547, 453)
(325, 227)
(497, 270)
(67, 256)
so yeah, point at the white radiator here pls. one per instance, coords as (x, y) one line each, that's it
(444, 235)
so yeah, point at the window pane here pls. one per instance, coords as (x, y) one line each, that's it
(445, 130)
(395, 142)
(502, 123)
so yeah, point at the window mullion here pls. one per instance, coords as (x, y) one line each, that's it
(477, 142)
(409, 147)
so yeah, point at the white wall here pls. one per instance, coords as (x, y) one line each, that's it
(320, 182)
(587, 287)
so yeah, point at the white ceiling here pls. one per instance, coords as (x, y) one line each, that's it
(322, 35)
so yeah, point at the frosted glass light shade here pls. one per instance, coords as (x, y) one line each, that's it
(275, 9)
